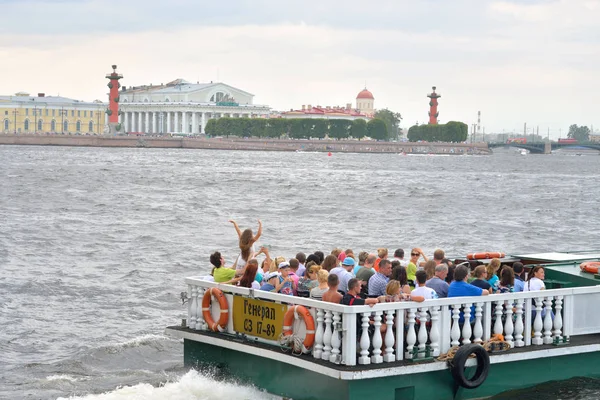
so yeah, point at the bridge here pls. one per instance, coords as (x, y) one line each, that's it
(545, 147)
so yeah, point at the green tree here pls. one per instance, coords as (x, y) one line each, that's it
(376, 129)
(358, 129)
(319, 129)
(211, 128)
(276, 127)
(339, 128)
(258, 127)
(392, 122)
(580, 133)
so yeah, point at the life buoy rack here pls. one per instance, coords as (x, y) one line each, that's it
(457, 365)
(590, 266)
(221, 324)
(296, 312)
(484, 256)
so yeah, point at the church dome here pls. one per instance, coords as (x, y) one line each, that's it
(365, 94)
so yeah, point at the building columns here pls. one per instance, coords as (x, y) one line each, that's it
(168, 130)
(176, 127)
(139, 128)
(184, 122)
(194, 123)
(154, 122)
(147, 123)
(202, 122)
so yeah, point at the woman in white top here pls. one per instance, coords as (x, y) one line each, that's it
(246, 243)
(535, 279)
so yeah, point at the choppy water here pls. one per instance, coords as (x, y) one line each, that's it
(95, 244)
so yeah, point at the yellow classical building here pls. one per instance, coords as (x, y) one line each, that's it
(23, 113)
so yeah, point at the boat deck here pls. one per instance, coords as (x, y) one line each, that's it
(575, 341)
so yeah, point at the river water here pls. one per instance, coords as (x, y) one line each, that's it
(95, 244)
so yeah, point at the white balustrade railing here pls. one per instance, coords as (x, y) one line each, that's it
(390, 332)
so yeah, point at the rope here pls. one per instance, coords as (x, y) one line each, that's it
(293, 342)
(496, 342)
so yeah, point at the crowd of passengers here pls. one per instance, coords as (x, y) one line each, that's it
(343, 277)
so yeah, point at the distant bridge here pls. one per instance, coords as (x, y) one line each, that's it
(541, 147)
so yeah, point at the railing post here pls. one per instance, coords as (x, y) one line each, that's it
(466, 331)
(558, 317)
(487, 320)
(508, 325)
(455, 332)
(389, 337)
(528, 321)
(335, 356)
(548, 320)
(411, 337)
(327, 337)
(200, 322)
(434, 333)
(498, 328)
(445, 327)
(537, 323)
(377, 340)
(318, 347)
(191, 319)
(478, 326)
(568, 315)
(400, 315)
(519, 323)
(365, 342)
(422, 330)
(349, 339)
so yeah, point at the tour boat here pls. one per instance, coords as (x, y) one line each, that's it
(304, 349)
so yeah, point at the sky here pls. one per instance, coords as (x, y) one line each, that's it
(516, 61)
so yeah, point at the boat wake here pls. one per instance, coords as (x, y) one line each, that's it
(191, 386)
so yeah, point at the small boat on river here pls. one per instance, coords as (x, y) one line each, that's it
(302, 348)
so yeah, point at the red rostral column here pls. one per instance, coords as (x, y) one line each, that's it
(433, 103)
(113, 99)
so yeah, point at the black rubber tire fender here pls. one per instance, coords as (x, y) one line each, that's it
(457, 366)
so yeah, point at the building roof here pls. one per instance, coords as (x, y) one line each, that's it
(327, 111)
(178, 86)
(24, 98)
(365, 94)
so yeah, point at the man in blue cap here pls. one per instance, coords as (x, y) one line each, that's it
(344, 272)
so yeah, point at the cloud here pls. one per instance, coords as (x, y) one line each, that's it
(488, 56)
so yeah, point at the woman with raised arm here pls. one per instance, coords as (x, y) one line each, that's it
(246, 243)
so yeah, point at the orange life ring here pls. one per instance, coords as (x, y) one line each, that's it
(220, 325)
(288, 325)
(485, 256)
(590, 266)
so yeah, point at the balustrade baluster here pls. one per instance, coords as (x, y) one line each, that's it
(335, 339)
(519, 323)
(422, 331)
(537, 323)
(389, 337)
(498, 315)
(327, 337)
(377, 340)
(318, 347)
(478, 326)
(411, 337)
(466, 331)
(434, 333)
(508, 324)
(365, 342)
(192, 317)
(548, 320)
(200, 322)
(558, 322)
(455, 332)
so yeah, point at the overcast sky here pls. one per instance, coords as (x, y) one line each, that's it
(532, 61)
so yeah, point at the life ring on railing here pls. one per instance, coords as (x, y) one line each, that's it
(484, 256)
(457, 365)
(221, 324)
(295, 312)
(590, 266)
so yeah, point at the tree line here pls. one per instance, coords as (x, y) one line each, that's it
(452, 131)
(298, 128)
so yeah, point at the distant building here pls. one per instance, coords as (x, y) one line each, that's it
(23, 113)
(595, 138)
(183, 107)
(365, 109)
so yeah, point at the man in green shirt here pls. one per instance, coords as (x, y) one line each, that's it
(221, 273)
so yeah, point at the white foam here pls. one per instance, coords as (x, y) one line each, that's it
(63, 378)
(141, 341)
(191, 386)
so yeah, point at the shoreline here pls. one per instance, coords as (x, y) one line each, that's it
(248, 144)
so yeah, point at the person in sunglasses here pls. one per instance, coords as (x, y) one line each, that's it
(411, 269)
